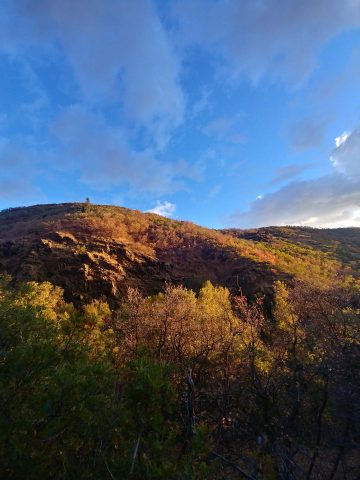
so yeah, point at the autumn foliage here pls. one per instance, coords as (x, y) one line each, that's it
(180, 385)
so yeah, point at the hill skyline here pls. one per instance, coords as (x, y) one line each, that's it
(96, 251)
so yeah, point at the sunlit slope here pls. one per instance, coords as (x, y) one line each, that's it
(97, 251)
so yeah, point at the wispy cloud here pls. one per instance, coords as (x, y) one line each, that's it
(103, 157)
(225, 129)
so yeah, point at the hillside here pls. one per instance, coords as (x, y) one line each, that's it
(342, 244)
(184, 384)
(99, 251)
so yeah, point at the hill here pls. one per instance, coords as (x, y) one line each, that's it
(182, 384)
(95, 251)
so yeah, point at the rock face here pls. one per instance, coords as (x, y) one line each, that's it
(98, 252)
(102, 269)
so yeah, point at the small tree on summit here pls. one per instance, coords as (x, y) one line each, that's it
(87, 205)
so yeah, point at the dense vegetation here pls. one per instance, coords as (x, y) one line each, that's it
(180, 385)
(71, 408)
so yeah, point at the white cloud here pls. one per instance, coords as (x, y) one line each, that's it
(113, 56)
(165, 209)
(346, 156)
(341, 139)
(118, 51)
(280, 38)
(329, 201)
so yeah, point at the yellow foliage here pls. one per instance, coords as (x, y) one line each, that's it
(45, 297)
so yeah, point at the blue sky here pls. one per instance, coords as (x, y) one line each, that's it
(224, 112)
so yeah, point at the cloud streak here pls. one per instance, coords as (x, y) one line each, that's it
(288, 172)
(307, 133)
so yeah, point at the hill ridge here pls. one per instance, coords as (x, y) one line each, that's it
(98, 251)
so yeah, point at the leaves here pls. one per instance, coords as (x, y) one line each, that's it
(152, 390)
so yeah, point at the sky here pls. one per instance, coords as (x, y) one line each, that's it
(226, 113)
